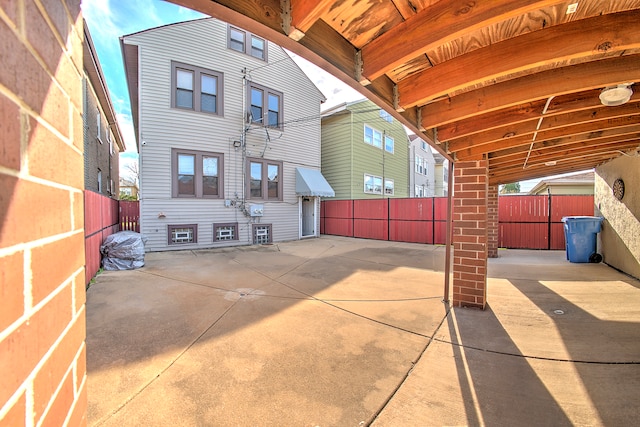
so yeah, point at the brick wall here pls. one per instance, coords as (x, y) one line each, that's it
(98, 154)
(42, 296)
(470, 233)
(492, 221)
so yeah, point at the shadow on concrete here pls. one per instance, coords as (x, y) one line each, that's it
(313, 325)
(559, 345)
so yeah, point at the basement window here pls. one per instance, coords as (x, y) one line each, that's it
(261, 234)
(224, 232)
(183, 234)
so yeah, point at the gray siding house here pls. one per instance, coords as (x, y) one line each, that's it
(365, 152)
(228, 131)
(422, 170)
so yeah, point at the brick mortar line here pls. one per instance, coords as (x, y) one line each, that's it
(68, 372)
(27, 385)
(11, 250)
(30, 311)
(36, 116)
(34, 179)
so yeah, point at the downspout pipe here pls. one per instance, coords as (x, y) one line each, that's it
(447, 256)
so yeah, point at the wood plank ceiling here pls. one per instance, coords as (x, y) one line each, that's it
(514, 81)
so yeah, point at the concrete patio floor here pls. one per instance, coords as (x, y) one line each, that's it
(349, 332)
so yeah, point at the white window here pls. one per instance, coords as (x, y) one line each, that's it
(99, 126)
(372, 136)
(388, 187)
(372, 184)
(99, 181)
(388, 144)
(419, 191)
(420, 165)
(386, 116)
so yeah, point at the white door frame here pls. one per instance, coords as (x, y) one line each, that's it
(316, 221)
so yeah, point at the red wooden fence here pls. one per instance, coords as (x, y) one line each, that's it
(100, 220)
(526, 222)
(104, 216)
(129, 215)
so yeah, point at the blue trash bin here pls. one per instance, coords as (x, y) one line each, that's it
(580, 236)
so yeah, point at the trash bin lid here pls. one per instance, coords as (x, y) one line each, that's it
(583, 224)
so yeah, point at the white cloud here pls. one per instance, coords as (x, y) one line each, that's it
(125, 123)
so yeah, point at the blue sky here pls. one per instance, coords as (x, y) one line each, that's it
(108, 20)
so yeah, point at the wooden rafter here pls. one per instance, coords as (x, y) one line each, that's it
(616, 33)
(566, 121)
(443, 22)
(549, 135)
(575, 78)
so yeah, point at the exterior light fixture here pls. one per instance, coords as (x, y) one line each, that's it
(616, 95)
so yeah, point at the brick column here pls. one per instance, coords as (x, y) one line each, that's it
(470, 233)
(492, 221)
(42, 294)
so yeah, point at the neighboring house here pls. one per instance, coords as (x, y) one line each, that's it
(102, 139)
(422, 168)
(581, 183)
(128, 188)
(364, 152)
(441, 173)
(228, 131)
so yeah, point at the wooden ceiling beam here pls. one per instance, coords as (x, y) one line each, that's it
(503, 177)
(543, 85)
(564, 152)
(438, 24)
(522, 113)
(303, 14)
(604, 136)
(548, 135)
(617, 32)
(405, 7)
(524, 129)
(580, 159)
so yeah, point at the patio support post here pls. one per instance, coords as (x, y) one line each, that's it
(492, 221)
(447, 256)
(470, 202)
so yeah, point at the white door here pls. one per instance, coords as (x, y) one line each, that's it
(308, 216)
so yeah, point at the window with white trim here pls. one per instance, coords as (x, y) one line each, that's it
(419, 191)
(372, 136)
(195, 88)
(182, 234)
(388, 144)
(388, 187)
(224, 232)
(372, 184)
(237, 40)
(196, 174)
(98, 125)
(386, 116)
